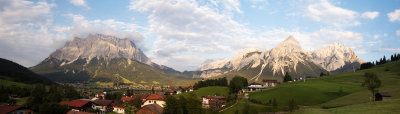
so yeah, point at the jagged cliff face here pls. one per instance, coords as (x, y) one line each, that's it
(335, 56)
(288, 56)
(99, 46)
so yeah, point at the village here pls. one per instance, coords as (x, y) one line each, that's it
(151, 102)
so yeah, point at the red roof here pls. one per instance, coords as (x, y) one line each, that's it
(150, 109)
(4, 109)
(170, 91)
(160, 93)
(75, 103)
(102, 102)
(155, 97)
(126, 98)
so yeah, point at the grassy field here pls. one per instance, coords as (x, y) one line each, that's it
(253, 108)
(213, 90)
(382, 107)
(323, 95)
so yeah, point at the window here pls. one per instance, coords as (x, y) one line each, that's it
(149, 101)
(155, 101)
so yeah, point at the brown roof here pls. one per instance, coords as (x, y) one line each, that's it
(76, 112)
(214, 97)
(118, 103)
(75, 103)
(170, 91)
(102, 102)
(151, 109)
(155, 97)
(4, 109)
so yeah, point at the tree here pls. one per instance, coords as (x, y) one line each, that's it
(130, 109)
(287, 77)
(366, 65)
(292, 105)
(136, 102)
(237, 83)
(372, 82)
(193, 104)
(183, 103)
(53, 108)
(172, 106)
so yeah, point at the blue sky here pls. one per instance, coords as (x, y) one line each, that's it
(182, 34)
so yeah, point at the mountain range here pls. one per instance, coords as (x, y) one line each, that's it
(287, 57)
(102, 58)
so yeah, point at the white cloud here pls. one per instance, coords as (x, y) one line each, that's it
(398, 32)
(370, 15)
(394, 16)
(325, 12)
(82, 27)
(81, 3)
(185, 27)
(26, 34)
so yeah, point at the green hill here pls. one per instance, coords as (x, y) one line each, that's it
(12, 71)
(323, 94)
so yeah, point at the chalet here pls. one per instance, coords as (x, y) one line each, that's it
(213, 102)
(270, 83)
(15, 109)
(150, 109)
(254, 87)
(382, 96)
(118, 106)
(103, 105)
(154, 99)
(77, 105)
(178, 91)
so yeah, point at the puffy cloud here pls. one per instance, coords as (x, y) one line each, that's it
(325, 12)
(370, 15)
(82, 27)
(394, 16)
(184, 27)
(81, 3)
(26, 34)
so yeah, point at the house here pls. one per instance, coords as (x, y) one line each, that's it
(150, 109)
(170, 92)
(128, 98)
(160, 93)
(103, 105)
(77, 105)
(213, 102)
(101, 95)
(188, 89)
(270, 83)
(382, 96)
(178, 91)
(154, 99)
(118, 106)
(15, 109)
(254, 87)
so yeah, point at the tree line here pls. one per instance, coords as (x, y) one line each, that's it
(383, 60)
(211, 82)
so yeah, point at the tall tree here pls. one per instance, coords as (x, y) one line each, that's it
(130, 109)
(372, 82)
(274, 105)
(193, 104)
(172, 106)
(292, 105)
(183, 103)
(287, 77)
(237, 83)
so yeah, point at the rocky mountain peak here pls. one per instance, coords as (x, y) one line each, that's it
(290, 43)
(99, 46)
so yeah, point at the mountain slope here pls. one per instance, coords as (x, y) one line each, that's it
(14, 72)
(288, 56)
(336, 57)
(102, 58)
